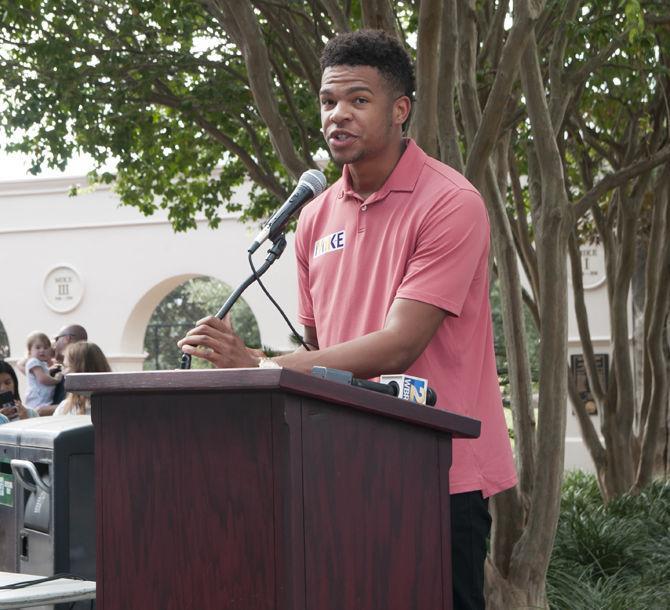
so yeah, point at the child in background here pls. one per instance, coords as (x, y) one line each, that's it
(41, 384)
(81, 357)
(13, 409)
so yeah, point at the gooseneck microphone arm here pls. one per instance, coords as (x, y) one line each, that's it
(274, 253)
(311, 184)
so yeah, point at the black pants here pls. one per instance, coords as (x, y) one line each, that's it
(470, 527)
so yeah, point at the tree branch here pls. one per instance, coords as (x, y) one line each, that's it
(468, 102)
(551, 166)
(656, 307)
(493, 43)
(237, 18)
(288, 98)
(293, 38)
(520, 227)
(424, 118)
(263, 179)
(336, 14)
(379, 15)
(619, 178)
(447, 132)
(559, 96)
(590, 65)
(588, 430)
(581, 314)
(514, 330)
(489, 127)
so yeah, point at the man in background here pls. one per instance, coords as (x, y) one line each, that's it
(66, 335)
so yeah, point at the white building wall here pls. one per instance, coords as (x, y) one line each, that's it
(128, 263)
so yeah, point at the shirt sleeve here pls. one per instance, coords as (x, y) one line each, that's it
(32, 363)
(451, 249)
(302, 251)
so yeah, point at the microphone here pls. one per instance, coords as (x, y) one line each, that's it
(393, 385)
(414, 389)
(311, 184)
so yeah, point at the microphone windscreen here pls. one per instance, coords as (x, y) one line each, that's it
(315, 180)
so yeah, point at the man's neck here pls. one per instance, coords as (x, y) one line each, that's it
(368, 175)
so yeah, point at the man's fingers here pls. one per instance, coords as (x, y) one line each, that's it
(206, 341)
(214, 340)
(199, 351)
(217, 323)
(204, 330)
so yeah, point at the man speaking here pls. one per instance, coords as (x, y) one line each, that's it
(393, 278)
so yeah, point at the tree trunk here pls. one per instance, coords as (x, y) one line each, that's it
(450, 151)
(379, 15)
(588, 430)
(240, 22)
(656, 314)
(424, 117)
(531, 555)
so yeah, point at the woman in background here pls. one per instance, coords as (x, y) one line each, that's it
(12, 409)
(81, 357)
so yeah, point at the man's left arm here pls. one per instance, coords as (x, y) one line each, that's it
(409, 327)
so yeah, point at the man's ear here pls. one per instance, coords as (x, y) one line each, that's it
(401, 109)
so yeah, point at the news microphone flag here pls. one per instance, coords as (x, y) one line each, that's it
(414, 389)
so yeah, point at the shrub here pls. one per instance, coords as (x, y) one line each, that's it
(614, 556)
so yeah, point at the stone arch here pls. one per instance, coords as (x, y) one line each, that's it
(132, 340)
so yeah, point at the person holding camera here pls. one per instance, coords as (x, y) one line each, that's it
(11, 407)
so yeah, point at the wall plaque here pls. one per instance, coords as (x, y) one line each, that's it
(63, 289)
(593, 265)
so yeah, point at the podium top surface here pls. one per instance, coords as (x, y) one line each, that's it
(269, 380)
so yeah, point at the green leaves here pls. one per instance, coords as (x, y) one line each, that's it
(611, 556)
(155, 86)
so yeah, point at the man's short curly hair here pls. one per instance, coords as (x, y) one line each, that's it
(373, 48)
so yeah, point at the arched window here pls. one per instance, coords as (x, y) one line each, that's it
(178, 312)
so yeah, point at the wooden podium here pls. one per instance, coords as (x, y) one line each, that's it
(267, 489)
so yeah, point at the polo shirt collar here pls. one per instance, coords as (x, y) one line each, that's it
(403, 177)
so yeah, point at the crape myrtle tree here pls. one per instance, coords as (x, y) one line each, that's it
(623, 124)
(538, 102)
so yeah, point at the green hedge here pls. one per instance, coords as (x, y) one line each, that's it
(614, 556)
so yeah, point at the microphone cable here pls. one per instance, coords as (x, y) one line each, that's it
(296, 334)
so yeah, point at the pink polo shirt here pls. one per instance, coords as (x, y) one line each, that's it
(423, 236)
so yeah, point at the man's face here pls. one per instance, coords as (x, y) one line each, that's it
(359, 113)
(60, 343)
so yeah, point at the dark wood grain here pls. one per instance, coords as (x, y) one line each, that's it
(444, 456)
(288, 513)
(373, 518)
(185, 498)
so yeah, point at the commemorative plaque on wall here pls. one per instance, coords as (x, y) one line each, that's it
(593, 266)
(63, 289)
